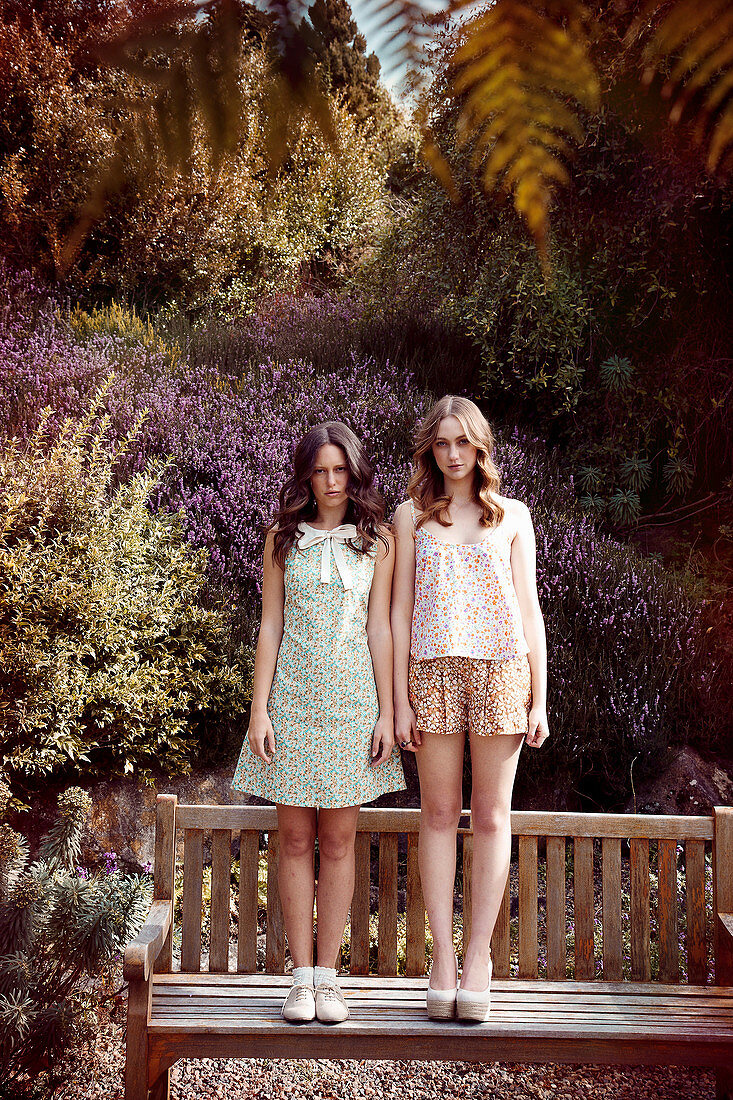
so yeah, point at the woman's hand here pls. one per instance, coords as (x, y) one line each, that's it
(383, 740)
(539, 730)
(406, 731)
(261, 736)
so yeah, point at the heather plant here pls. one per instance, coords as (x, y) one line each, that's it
(629, 667)
(62, 930)
(109, 660)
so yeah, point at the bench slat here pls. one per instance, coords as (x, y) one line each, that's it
(500, 938)
(404, 1000)
(275, 933)
(193, 868)
(524, 822)
(559, 990)
(695, 938)
(555, 907)
(583, 908)
(467, 900)
(221, 864)
(164, 873)
(528, 907)
(658, 1017)
(611, 879)
(387, 951)
(360, 906)
(249, 866)
(415, 913)
(669, 964)
(640, 921)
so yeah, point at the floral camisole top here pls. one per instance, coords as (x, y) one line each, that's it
(465, 601)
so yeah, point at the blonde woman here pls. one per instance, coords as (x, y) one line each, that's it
(470, 661)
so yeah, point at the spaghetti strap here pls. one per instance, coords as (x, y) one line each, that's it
(412, 513)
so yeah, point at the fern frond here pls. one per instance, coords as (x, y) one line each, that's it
(521, 69)
(695, 38)
(399, 30)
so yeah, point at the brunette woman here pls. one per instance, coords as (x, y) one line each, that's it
(470, 661)
(320, 738)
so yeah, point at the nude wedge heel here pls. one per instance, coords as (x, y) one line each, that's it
(441, 1002)
(474, 1005)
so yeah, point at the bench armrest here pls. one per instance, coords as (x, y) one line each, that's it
(724, 949)
(141, 953)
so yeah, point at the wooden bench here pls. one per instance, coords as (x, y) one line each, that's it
(630, 989)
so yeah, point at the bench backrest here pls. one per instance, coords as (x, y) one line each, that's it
(620, 896)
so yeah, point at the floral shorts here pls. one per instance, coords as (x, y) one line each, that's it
(468, 694)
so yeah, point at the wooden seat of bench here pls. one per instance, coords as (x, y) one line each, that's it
(218, 1015)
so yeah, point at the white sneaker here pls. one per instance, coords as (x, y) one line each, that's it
(300, 1004)
(330, 1004)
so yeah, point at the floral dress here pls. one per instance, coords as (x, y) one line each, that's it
(323, 702)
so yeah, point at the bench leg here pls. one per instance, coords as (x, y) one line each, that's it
(161, 1090)
(724, 1083)
(136, 1044)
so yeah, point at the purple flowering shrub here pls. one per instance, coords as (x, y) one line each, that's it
(628, 666)
(625, 643)
(230, 430)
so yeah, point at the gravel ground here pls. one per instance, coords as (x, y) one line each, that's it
(100, 1075)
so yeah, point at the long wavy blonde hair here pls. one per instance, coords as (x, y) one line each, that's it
(426, 486)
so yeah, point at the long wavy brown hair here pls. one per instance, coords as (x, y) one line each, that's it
(297, 502)
(427, 486)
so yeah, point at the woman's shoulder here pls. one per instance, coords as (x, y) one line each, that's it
(404, 514)
(384, 542)
(517, 516)
(511, 505)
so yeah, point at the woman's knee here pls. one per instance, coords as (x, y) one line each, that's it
(297, 841)
(491, 820)
(335, 844)
(441, 816)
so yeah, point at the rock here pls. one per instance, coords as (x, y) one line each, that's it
(123, 812)
(689, 784)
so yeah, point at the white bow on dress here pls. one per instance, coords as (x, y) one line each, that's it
(331, 544)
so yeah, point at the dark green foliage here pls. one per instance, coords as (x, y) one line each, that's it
(60, 932)
(340, 51)
(624, 357)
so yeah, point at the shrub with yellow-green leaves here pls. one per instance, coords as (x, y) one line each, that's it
(110, 663)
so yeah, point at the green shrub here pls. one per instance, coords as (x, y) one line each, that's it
(61, 930)
(110, 661)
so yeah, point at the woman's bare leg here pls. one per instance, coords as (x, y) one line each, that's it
(493, 768)
(296, 878)
(440, 767)
(336, 836)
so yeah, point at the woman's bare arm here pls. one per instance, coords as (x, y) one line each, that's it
(260, 732)
(379, 635)
(524, 575)
(403, 601)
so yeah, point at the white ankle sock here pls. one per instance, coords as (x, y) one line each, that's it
(323, 974)
(303, 975)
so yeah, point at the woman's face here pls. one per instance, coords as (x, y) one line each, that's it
(454, 455)
(330, 477)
